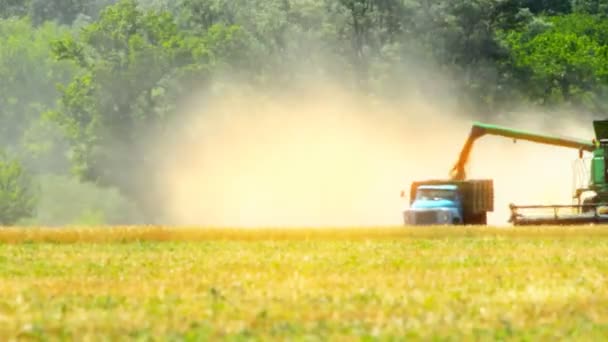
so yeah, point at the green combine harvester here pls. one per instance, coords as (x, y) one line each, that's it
(590, 202)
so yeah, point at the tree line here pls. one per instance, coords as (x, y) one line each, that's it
(85, 83)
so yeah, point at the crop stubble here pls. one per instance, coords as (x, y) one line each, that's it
(188, 283)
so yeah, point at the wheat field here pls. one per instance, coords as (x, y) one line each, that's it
(186, 284)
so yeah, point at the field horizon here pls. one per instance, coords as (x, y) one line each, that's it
(110, 234)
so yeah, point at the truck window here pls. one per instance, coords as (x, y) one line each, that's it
(436, 195)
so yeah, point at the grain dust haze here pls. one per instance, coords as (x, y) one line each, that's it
(322, 156)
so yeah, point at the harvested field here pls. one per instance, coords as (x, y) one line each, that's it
(314, 284)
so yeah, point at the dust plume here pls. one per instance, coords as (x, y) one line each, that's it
(320, 155)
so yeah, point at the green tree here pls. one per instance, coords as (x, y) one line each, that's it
(13, 8)
(81, 203)
(17, 195)
(591, 6)
(564, 62)
(61, 11)
(552, 7)
(30, 75)
(135, 65)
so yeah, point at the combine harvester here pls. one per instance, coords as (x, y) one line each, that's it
(462, 201)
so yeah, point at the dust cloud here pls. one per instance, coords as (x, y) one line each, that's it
(320, 155)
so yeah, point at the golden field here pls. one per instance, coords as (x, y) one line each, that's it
(157, 283)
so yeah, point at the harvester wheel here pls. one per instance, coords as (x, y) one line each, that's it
(590, 200)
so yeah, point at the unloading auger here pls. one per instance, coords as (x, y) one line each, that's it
(593, 209)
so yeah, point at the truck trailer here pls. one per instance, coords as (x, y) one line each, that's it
(449, 202)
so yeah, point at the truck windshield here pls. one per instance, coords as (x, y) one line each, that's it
(436, 195)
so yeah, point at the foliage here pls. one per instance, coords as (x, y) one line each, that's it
(17, 192)
(30, 75)
(60, 11)
(12, 8)
(565, 62)
(66, 201)
(134, 64)
(591, 6)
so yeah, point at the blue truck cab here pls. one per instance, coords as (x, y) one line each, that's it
(449, 203)
(435, 204)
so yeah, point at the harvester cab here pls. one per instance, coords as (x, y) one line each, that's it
(601, 142)
(595, 192)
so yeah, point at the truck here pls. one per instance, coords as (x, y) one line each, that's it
(449, 202)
